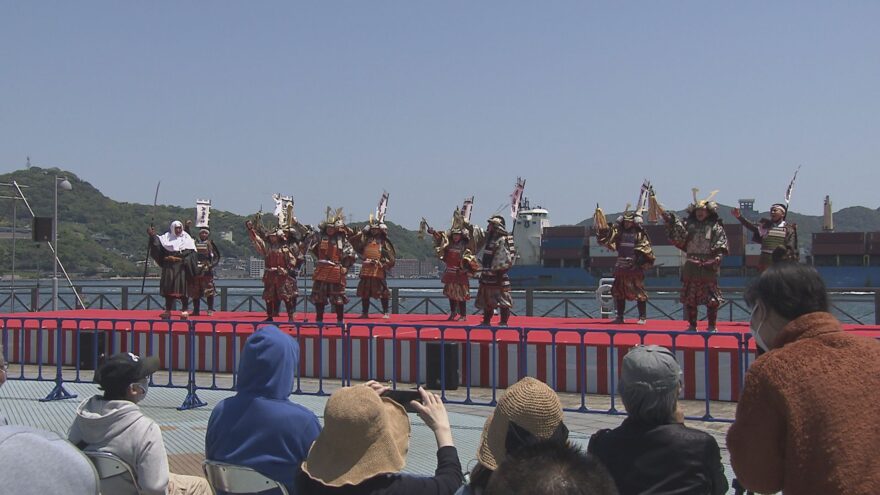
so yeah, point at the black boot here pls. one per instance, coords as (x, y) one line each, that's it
(270, 310)
(340, 309)
(277, 305)
(210, 305)
(712, 318)
(169, 307)
(385, 314)
(290, 306)
(319, 312)
(197, 303)
(184, 303)
(505, 315)
(462, 311)
(643, 312)
(487, 317)
(691, 314)
(452, 306)
(365, 307)
(620, 305)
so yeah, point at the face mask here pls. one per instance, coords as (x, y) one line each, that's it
(145, 387)
(754, 330)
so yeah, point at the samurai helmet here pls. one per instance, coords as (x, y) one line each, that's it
(498, 220)
(458, 223)
(335, 218)
(630, 216)
(703, 204)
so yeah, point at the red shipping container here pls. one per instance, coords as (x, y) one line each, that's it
(752, 261)
(839, 249)
(874, 247)
(603, 261)
(657, 234)
(873, 238)
(563, 253)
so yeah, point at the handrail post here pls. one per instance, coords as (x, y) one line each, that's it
(395, 300)
(530, 302)
(191, 401)
(224, 298)
(58, 392)
(124, 297)
(35, 299)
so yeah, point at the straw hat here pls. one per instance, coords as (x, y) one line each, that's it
(528, 403)
(364, 436)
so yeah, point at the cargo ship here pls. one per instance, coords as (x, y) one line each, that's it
(568, 256)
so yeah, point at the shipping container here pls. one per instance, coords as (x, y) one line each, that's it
(752, 261)
(666, 251)
(603, 262)
(838, 238)
(732, 261)
(850, 249)
(824, 260)
(597, 250)
(753, 249)
(872, 237)
(657, 235)
(852, 260)
(873, 248)
(565, 242)
(874, 260)
(564, 253)
(566, 231)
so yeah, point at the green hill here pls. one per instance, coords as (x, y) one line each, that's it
(99, 236)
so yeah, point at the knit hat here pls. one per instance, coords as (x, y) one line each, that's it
(529, 405)
(649, 373)
(123, 369)
(364, 436)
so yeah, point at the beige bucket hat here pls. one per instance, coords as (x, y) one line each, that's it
(528, 403)
(364, 436)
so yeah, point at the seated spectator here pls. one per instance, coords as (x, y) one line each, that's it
(528, 412)
(36, 462)
(4, 367)
(114, 423)
(364, 443)
(806, 422)
(259, 427)
(551, 468)
(652, 451)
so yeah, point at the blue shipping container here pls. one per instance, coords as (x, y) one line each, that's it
(732, 261)
(563, 242)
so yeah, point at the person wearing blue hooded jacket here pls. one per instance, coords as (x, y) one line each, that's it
(259, 427)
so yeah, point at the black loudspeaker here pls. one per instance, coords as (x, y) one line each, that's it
(92, 348)
(451, 371)
(42, 229)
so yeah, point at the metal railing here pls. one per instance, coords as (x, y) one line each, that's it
(205, 354)
(856, 305)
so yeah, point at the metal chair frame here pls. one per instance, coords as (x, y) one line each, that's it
(109, 465)
(231, 478)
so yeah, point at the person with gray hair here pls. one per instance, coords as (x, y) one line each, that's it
(652, 451)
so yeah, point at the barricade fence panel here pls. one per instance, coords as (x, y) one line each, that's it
(467, 364)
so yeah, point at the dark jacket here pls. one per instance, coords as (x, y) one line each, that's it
(446, 480)
(259, 427)
(660, 459)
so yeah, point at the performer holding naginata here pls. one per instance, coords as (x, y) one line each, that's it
(280, 261)
(634, 255)
(201, 284)
(701, 236)
(174, 252)
(333, 255)
(378, 255)
(456, 249)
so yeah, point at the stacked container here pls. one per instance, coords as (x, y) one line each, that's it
(565, 247)
(841, 248)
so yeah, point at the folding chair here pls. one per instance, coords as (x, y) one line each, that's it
(110, 465)
(739, 490)
(230, 478)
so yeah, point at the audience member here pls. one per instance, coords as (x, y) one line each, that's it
(551, 468)
(652, 451)
(114, 423)
(36, 462)
(364, 443)
(528, 412)
(805, 423)
(260, 427)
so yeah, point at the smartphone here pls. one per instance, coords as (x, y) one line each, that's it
(403, 397)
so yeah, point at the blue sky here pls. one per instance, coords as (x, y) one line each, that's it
(332, 102)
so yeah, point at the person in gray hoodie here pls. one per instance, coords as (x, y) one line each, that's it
(114, 423)
(37, 462)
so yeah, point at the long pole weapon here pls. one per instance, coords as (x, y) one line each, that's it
(150, 241)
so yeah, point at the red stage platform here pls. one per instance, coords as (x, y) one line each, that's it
(571, 354)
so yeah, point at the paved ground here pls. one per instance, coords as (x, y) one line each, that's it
(184, 431)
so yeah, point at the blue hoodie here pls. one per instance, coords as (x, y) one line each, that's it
(259, 427)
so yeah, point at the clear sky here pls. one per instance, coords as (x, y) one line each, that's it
(332, 102)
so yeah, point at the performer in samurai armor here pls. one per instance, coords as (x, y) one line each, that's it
(497, 256)
(333, 256)
(778, 238)
(634, 256)
(455, 249)
(280, 262)
(201, 284)
(701, 236)
(378, 255)
(174, 252)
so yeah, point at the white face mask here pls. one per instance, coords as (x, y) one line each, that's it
(755, 330)
(145, 387)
